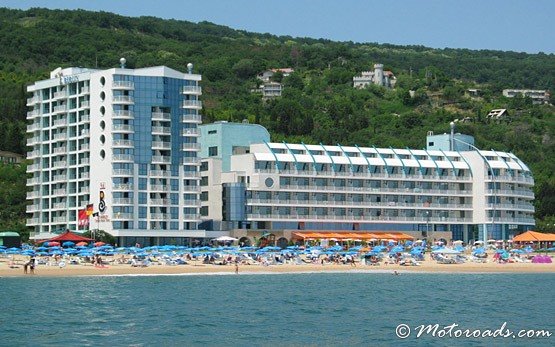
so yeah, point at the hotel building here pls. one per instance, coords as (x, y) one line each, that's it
(450, 189)
(124, 140)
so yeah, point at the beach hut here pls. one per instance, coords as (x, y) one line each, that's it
(69, 236)
(10, 239)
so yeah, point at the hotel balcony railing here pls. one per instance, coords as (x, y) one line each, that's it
(85, 118)
(422, 220)
(32, 208)
(193, 174)
(84, 132)
(59, 137)
(160, 216)
(191, 188)
(161, 145)
(59, 122)
(191, 203)
(59, 205)
(124, 114)
(61, 192)
(59, 164)
(190, 146)
(84, 90)
(33, 141)
(123, 99)
(122, 143)
(160, 173)
(160, 202)
(123, 187)
(122, 216)
(510, 207)
(388, 204)
(192, 118)
(59, 95)
(123, 157)
(160, 159)
(84, 104)
(509, 178)
(84, 161)
(33, 154)
(191, 160)
(59, 109)
(192, 104)
(59, 178)
(122, 201)
(161, 116)
(122, 172)
(84, 175)
(122, 127)
(59, 150)
(161, 130)
(84, 190)
(33, 194)
(33, 167)
(191, 217)
(159, 187)
(32, 114)
(33, 127)
(123, 85)
(192, 90)
(33, 181)
(331, 173)
(519, 192)
(191, 132)
(85, 147)
(418, 191)
(33, 100)
(33, 221)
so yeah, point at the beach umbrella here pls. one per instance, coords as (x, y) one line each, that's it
(53, 244)
(82, 244)
(68, 244)
(42, 248)
(459, 248)
(479, 251)
(99, 243)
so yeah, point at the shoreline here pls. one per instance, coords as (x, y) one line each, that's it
(198, 270)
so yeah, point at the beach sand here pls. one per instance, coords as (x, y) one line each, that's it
(427, 266)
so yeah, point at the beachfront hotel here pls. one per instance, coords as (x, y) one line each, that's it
(450, 190)
(125, 141)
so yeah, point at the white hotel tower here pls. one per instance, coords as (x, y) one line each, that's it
(122, 139)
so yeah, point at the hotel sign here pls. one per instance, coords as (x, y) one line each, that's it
(69, 79)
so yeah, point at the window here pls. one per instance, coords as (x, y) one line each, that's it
(204, 211)
(204, 181)
(212, 151)
(212, 132)
(204, 166)
(430, 143)
(204, 196)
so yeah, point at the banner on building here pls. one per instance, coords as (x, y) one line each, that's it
(83, 218)
(90, 208)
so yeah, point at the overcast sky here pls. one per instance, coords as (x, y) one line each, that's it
(510, 25)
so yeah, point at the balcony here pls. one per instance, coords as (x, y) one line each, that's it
(59, 192)
(32, 208)
(123, 85)
(122, 172)
(84, 147)
(84, 90)
(35, 140)
(195, 90)
(59, 137)
(160, 116)
(84, 175)
(159, 159)
(32, 181)
(59, 205)
(196, 104)
(122, 143)
(85, 118)
(84, 161)
(33, 221)
(123, 114)
(161, 145)
(191, 217)
(191, 189)
(122, 128)
(192, 118)
(59, 178)
(84, 104)
(123, 187)
(60, 95)
(160, 216)
(191, 132)
(33, 127)
(122, 201)
(157, 130)
(34, 194)
(160, 188)
(191, 160)
(123, 157)
(122, 216)
(59, 150)
(162, 202)
(123, 99)
(191, 146)
(33, 154)
(33, 100)
(32, 114)
(159, 173)
(59, 109)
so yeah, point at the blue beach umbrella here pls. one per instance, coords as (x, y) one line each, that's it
(479, 251)
(68, 244)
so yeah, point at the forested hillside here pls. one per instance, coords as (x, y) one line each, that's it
(319, 103)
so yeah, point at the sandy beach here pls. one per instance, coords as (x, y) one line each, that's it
(427, 266)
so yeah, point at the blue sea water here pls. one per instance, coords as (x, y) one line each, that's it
(346, 309)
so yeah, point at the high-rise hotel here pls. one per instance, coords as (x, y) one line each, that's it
(124, 140)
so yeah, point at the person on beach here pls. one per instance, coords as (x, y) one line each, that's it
(32, 265)
(236, 267)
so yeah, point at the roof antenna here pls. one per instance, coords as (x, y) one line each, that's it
(122, 62)
(190, 68)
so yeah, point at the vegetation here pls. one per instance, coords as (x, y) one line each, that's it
(318, 103)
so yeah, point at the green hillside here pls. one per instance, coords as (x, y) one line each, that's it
(318, 104)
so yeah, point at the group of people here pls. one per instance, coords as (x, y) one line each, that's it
(29, 266)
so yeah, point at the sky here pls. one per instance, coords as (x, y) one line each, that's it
(509, 25)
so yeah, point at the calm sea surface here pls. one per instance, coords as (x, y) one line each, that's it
(269, 310)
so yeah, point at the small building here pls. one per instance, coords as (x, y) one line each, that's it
(538, 96)
(378, 77)
(10, 158)
(498, 114)
(267, 75)
(10, 239)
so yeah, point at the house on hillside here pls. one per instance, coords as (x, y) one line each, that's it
(538, 96)
(266, 76)
(378, 77)
(269, 88)
(498, 114)
(10, 158)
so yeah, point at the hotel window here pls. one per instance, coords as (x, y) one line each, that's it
(212, 151)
